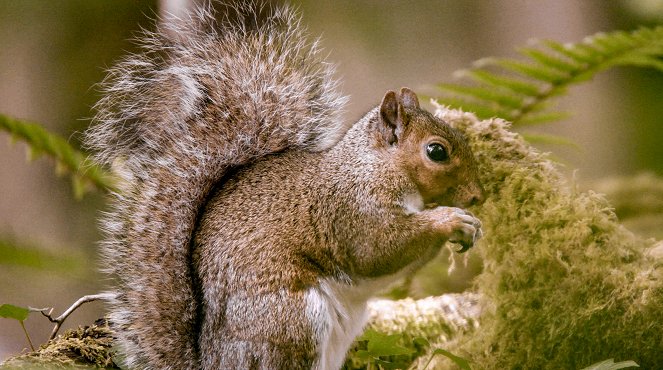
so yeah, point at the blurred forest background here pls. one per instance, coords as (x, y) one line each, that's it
(53, 53)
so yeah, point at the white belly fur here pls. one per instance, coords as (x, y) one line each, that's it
(337, 310)
(338, 314)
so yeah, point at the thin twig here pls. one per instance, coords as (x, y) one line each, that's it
(60, 319)
(32, 347)
(32, 309)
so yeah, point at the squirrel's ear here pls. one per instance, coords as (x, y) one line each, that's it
(409, 98)
(389, 117)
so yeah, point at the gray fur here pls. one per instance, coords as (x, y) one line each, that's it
(174, 119)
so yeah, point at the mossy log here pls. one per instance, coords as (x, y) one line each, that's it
(80, 348)
(564, 284)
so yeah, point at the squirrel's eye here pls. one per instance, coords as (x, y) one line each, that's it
(437, 152)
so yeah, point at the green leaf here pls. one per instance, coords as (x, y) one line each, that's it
(611, 365)
(387, 364)
(421, 342)
(364, 355)
(14, 312)
(380, 344)
(461, 362)
(40, 142)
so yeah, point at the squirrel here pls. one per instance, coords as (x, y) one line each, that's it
(250, 224)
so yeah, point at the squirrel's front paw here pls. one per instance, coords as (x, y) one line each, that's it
(461, 226)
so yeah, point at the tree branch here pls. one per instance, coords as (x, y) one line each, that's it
(60, 319)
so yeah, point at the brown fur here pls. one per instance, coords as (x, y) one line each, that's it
(244, 225)
(279, 226)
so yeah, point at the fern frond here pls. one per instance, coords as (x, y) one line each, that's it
(502, 82)
(541, 72)
(83, 173)
(502, 98)
(552, 61)
(545, 117)
(475, 106)
(520, 90)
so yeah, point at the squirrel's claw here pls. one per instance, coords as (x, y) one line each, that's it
(468, 231)
(464, 247)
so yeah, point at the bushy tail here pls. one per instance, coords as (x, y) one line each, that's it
(174, 119)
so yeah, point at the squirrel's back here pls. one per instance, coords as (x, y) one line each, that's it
(174, 119)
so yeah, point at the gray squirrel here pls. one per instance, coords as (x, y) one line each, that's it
(250, 224)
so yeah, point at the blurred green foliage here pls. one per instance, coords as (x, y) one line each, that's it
(13, 253)
(67, 158)
(521, 90)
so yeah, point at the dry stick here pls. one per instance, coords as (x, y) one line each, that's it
(60, 319)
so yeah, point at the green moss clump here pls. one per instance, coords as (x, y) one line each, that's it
(564, 285)
(88, 347)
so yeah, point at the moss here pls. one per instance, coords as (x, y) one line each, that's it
(564, 285)
(80, 348)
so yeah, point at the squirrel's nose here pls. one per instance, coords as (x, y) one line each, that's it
(478, 198)
(471, 194)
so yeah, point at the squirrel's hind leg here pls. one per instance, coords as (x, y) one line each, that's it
(261, 355)
(266, 330)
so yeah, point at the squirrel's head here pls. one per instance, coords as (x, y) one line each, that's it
(435, 156)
